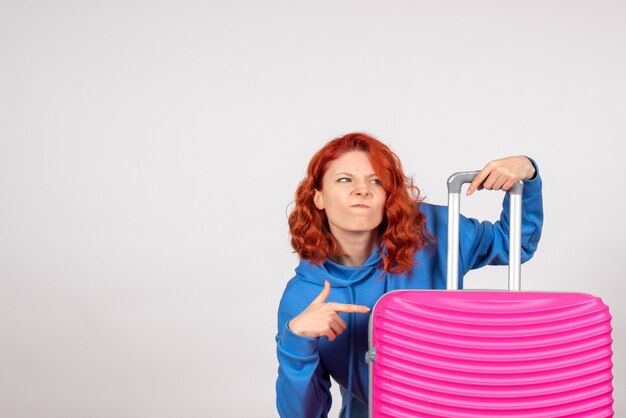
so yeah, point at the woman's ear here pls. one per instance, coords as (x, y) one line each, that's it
(318, 200)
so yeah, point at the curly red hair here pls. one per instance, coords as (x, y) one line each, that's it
(402, 231)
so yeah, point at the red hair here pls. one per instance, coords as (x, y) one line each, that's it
(402, 231)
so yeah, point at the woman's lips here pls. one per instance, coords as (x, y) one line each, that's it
(360, 206)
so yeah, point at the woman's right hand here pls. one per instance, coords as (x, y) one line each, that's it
(322, 318)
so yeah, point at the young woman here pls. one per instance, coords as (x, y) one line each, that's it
(361, 230)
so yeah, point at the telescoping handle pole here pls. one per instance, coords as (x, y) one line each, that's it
(455, 182)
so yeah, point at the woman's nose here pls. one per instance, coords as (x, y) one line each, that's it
(361, 189)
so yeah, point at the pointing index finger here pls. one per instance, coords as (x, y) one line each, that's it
(348, 308)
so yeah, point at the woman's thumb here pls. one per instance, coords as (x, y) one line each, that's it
(321, 298)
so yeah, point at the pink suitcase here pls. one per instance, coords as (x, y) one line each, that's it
(479, 354)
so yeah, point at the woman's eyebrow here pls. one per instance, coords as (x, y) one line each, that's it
(343, 173)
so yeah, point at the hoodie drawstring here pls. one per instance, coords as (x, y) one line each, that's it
(351, 328)
(351, 355)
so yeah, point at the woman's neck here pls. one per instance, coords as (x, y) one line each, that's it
(355, 247)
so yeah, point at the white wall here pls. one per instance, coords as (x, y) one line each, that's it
(149, 150)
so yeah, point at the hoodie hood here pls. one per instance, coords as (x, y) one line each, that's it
(339, 275)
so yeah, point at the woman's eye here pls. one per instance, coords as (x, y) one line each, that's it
(376, 181)
(343, 180)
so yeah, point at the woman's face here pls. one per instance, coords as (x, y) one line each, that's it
(351, 195)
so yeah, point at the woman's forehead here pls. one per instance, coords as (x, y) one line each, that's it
(351, 162)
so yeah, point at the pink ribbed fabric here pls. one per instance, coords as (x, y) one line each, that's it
(476, 354)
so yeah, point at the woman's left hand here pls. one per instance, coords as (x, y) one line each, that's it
(502, 174)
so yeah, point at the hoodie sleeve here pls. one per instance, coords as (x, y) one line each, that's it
(484, 243)
(303, 385)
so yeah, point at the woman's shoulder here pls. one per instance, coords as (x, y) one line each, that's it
(299, 291)
(431, 207)
(434, 213)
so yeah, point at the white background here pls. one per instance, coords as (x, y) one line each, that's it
(149, 152)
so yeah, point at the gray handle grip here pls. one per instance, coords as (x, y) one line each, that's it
(455, 182)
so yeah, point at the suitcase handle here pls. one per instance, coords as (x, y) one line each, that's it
(455, 182)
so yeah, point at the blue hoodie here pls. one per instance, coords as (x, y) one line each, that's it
(306, 364)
